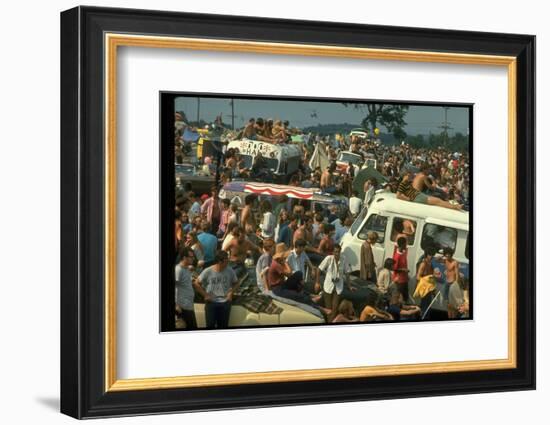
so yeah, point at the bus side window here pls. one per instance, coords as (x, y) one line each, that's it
(375, 223)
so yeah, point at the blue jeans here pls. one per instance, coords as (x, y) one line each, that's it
(217, 315)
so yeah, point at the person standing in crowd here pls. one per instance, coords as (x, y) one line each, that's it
(327, 184)
(369, 189)
(333, 266)
(326, 245)
(247, 215)
(262, 266)
(367, 264)
(401, 268)
(192, 242)
(224, 218)
(268, 220)
(209, 243)
(286, 230)
(355, 204)
(185, 293)
(195, 208)
(212, 209)
(216, 284)
(238, 249)
(451, 278)
(383, 281)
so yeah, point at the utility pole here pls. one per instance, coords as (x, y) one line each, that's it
(446, 127)
(198, 111)
(233, 114)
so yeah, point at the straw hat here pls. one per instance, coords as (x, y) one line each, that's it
(281, 251)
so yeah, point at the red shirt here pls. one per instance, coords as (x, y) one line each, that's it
(275, 274)
(400, 262)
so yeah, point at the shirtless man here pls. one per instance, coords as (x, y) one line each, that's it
(451, 266)
(422, 181)
(260, 129)
(250, 130)
(247, 215)
(406, 192)
(239, 247)
(326, 178)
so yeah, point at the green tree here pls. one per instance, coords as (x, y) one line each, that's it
(380, 114)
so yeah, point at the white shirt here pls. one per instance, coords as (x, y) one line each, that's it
(355, 205)
(297, 262)
(268, 225)
(334, 274)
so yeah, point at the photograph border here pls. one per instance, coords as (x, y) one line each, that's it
(90, 38)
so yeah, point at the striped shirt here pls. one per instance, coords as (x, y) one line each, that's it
(405, 187)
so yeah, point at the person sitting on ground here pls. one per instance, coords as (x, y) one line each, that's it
(346, 313)
(372, 313)
(397, 307)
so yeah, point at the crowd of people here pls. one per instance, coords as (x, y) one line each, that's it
(292, 252)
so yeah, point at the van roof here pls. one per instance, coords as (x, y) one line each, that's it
(387, 201)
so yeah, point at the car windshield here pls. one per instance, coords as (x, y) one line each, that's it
(187, 169)
(349, 157)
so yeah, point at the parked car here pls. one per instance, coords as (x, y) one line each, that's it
(199, 181)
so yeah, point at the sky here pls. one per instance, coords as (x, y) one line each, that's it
(420, 119)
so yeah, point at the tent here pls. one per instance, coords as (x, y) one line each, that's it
(365, 174)
(319, 157)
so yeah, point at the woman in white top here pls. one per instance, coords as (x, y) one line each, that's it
(268, 222)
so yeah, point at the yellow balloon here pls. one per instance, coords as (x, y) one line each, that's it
(376, 131)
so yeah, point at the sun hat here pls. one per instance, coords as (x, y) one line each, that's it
(281, 251)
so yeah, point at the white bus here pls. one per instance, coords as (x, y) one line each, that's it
(283, 160)
(429, 226)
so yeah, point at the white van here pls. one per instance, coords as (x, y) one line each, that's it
(428, 224)
(282, 160)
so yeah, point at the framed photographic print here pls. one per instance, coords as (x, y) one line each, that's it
(258, 212)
